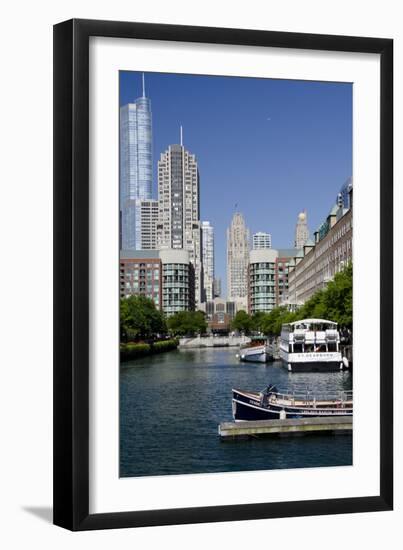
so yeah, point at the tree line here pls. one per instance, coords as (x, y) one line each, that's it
(140, 320)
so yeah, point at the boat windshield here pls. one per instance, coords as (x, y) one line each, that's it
(312, 325)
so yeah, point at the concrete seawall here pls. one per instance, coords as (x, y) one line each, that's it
(213, 341)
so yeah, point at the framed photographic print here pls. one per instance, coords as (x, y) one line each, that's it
(223, 259)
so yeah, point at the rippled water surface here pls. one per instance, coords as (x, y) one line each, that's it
(171, 405)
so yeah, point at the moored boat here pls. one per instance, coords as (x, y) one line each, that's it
(311, 345)
(273, 404)
(257, 352)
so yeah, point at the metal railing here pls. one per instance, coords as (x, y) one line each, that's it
(309, 396)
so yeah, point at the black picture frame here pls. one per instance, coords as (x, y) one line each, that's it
(71, 274)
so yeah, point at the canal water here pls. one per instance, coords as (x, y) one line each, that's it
(171, 405)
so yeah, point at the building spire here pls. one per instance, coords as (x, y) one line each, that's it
(144, 86)
(181, 136)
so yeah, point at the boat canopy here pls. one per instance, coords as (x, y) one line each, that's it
(313, 322)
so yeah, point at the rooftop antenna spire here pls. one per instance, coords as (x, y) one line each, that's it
(144, 86)
(181, 136)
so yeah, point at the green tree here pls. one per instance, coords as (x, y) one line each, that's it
(314, 307)
(140, 319)
(187, 323)
(334, 302)
(241, 322)
(275, 319)
(257, 321)
(338, 298)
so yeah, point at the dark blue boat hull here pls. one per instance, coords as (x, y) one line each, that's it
(247, 408)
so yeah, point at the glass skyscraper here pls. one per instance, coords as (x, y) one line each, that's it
(135, 168)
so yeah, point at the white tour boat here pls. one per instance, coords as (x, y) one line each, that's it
(311, 345)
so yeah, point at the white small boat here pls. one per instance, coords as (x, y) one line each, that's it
(258, 353)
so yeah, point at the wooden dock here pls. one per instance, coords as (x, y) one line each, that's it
(286, 427)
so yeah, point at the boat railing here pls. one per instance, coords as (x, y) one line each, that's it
(310, 396)
(332, 335)
(312, 336)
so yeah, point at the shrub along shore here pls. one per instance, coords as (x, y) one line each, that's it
(134, 350)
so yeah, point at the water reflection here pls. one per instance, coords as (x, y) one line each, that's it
(171, 405)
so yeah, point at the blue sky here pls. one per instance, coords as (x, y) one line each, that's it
(274, 147)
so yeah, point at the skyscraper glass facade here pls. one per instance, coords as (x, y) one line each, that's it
(135, 168)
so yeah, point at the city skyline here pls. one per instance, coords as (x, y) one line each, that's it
(298, 138)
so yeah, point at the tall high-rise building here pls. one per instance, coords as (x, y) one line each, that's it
(238, 237)
(135, 168)
(208, 260)
(148, 224)
(301, 230)
(261, 240)
(179, 223)
(217, 287)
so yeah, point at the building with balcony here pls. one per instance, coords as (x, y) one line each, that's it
(140, 274)
(262, 280)
(178, 281)
(165, 276)
(179, 225)
(268, 278)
